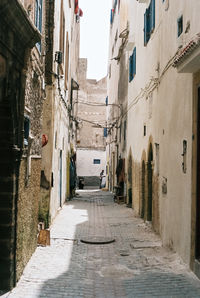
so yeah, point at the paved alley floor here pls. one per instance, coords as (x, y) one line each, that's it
(135, 265)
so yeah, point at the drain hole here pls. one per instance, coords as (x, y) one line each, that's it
(97, 240)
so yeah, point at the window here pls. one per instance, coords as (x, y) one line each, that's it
(105, 133)
(111, 16)
(62, 29)
(112, 12)
(132, 65)
(145, 130)
(66, 61)
(124, 130)
(179, 26)
(106, 100)
(96, 161)
(149, 21)
(26, 129)
(38, 19)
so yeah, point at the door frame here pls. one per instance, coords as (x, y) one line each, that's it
(194, 264)
(150, 181)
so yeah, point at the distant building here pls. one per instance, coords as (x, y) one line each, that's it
(92, 127)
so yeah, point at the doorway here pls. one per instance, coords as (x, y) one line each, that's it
(130, 181)
(142, 207)
(60, 179)
(197, 249)
(150, 185)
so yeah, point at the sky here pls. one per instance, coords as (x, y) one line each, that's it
(94, 36)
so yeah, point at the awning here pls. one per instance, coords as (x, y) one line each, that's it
(187, 59)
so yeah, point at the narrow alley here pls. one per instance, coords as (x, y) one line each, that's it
(134, 265)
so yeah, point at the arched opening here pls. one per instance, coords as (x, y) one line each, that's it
(150, 184)
(130, 181)
(142, 207)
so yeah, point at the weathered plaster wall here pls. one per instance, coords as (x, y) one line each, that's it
(166, 111)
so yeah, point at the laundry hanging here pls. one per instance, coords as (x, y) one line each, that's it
(76, 7)
(78, 11)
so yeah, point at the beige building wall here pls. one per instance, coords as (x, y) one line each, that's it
(160, 120)
(117, 92)
(59, 122)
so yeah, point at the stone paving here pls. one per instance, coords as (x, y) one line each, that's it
(135, 265)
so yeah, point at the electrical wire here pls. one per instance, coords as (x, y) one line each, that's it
(96, 104)
(150, 87)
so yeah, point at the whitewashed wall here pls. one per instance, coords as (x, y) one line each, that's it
(85, 165)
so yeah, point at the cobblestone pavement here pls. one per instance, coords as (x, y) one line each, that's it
(135, 265)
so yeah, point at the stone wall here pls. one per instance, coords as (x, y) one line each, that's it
(27, 217)
(17, 37)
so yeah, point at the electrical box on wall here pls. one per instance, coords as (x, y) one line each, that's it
(59, 57)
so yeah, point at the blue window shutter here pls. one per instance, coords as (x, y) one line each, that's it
(40, 16)
(134, 62)
(106, 100)
(96, 161)
(145, 28)
(148, 22)
(152, 15)
(111, 16)
(130, 68)
(105, 132)
(36, 13)
(38, 19)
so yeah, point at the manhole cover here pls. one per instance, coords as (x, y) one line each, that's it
(97, 240)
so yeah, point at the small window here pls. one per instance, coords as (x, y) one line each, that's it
(111, 16)
(145, 130)
(26, 129)
(124, 130)
(180, 26)
(105, 133)
(132, 65)
(106, 100)
(96, 161)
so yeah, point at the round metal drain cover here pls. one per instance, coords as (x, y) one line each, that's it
(97, 240)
